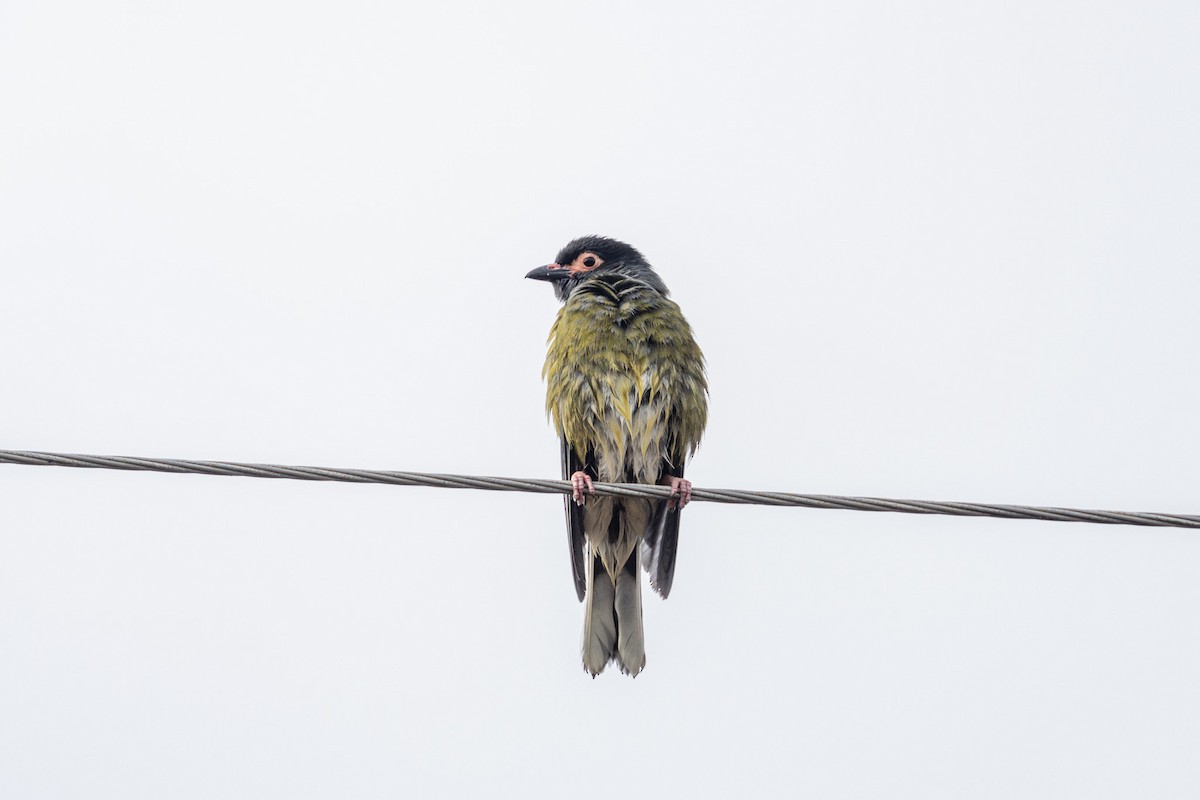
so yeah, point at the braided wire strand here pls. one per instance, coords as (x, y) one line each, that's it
(541, 486)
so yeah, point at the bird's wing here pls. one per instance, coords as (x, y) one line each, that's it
(575, 538)
(661, 543)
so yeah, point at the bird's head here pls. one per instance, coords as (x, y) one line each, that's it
(590, 257)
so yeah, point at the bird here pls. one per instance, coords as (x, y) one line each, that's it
(627, 392)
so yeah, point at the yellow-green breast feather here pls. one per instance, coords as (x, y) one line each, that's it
(625, 379)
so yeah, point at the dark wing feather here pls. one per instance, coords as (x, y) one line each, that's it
(575, 540)
(662, 542)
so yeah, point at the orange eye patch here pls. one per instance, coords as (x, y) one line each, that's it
(585, 262)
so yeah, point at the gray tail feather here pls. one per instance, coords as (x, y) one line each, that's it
(631, 644)
(612, 622)
(599, 618)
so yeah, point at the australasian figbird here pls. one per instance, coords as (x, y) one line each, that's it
(628, 396)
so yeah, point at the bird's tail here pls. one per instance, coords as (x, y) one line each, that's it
(599, 618)
(612, 622)
(631, 642)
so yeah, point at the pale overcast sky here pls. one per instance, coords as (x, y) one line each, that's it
(939, 250)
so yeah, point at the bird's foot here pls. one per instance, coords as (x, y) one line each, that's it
(681, 491)
(581, 486)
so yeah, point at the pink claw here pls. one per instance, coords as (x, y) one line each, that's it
(681, 491)
(581, 485)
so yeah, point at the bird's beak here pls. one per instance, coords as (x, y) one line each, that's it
(550, 272)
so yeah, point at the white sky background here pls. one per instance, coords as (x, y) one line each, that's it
(944, 251)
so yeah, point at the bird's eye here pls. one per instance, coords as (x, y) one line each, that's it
(589, 262)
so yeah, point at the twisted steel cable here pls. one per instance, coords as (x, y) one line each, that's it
(31, 458)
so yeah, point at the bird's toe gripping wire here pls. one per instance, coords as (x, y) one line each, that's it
(581, 486)
(681, 492)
